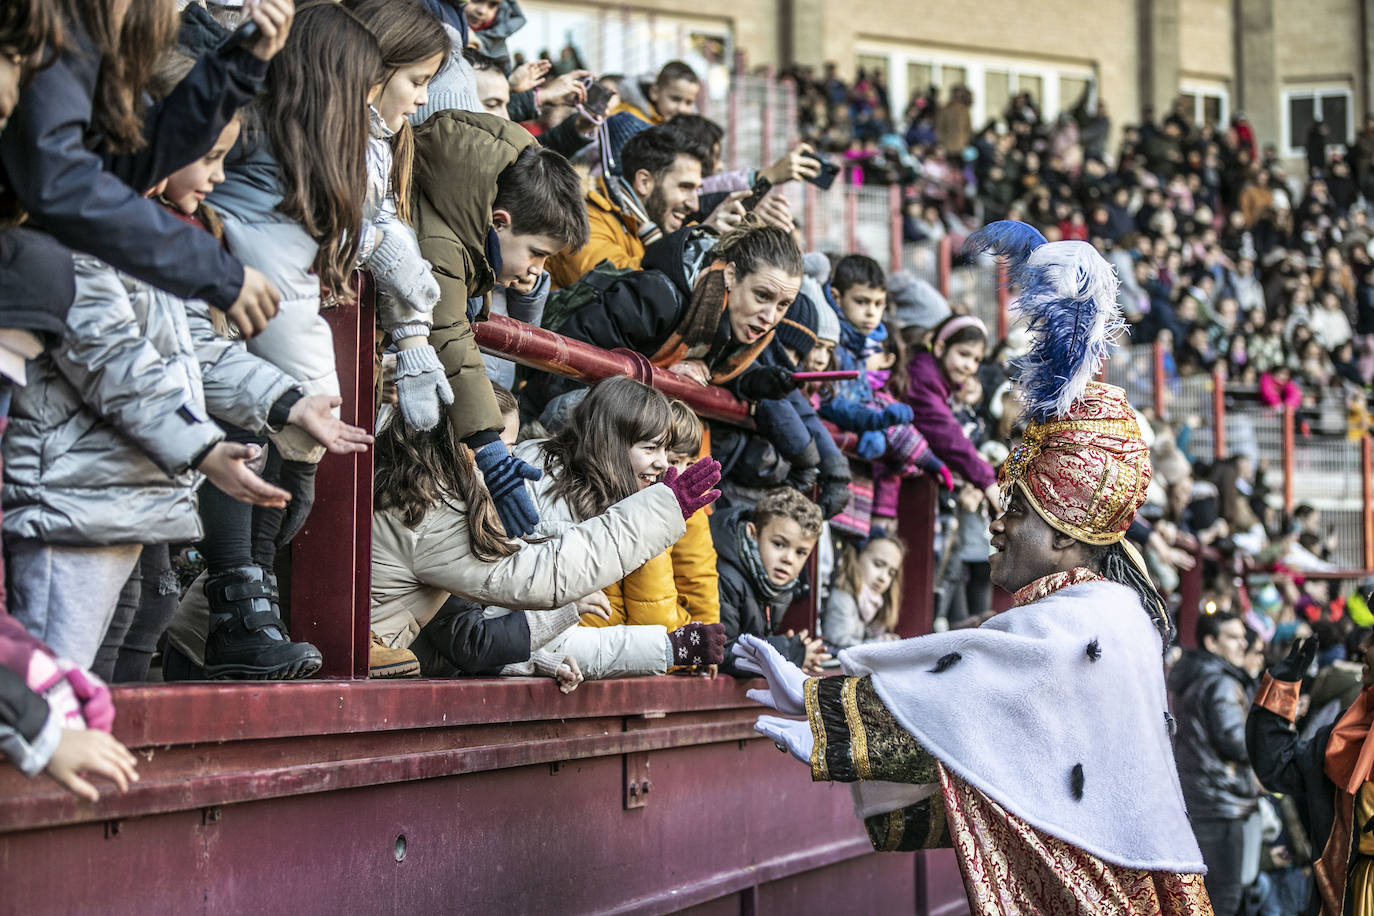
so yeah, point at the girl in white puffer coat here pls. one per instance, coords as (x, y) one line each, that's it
(292, 205)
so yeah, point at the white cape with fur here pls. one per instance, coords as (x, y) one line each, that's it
(1026, 704)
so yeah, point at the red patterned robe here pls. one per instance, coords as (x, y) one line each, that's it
(1008, 865)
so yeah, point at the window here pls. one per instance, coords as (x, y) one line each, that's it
(1205, 101)
(918, 78)
(992, 79)
(996, 91)
(951, 77)
(873, 63)
(1071, 89)
(1305, 106)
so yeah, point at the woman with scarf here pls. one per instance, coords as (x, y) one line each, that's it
(702, 307)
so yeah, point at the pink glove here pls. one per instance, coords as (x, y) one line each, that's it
(948, 478)
(97, 705)
(694, 486)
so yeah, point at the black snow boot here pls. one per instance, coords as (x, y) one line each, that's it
(248, 640)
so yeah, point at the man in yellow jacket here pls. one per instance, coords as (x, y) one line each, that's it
(662, 169)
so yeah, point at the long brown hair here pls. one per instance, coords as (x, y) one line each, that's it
(128, 49)
(417, 470)
(408, 33)
(589, 458)
(846, 578)
(314, 114)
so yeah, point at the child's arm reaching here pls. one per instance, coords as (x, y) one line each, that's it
(855, 417)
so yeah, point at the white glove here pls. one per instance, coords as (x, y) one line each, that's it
(785, 680)
(420, 386)
(788, 734)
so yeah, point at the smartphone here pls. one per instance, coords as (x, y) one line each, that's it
(242, 35)
(828, 172)
(597, 98)
(760, 190)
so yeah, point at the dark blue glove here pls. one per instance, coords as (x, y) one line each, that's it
(897, 414)
(872, 445)
(505, 476)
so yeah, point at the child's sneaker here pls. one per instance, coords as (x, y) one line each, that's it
(384, 661)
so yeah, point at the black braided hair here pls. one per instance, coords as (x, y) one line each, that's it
(1115, 566)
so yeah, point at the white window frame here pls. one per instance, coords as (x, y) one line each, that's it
(1313, 91)
(606, 24)
(1200, 88)
(976, 65)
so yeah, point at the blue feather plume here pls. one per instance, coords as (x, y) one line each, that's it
(1066, 292)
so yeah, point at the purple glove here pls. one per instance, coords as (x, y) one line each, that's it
(694, 486)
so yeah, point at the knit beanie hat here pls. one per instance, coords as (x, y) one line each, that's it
(797, 330)
(454, 87)
(620, 128)
(816, 266)
(827, 319)
(917, 303)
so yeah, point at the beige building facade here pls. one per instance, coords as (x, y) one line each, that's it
(1282, 62)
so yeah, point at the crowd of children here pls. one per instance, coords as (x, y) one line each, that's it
(194, 197)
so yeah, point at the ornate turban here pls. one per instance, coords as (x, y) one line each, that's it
(1086, 472)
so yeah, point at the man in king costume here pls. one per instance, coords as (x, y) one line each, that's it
(1038, 745)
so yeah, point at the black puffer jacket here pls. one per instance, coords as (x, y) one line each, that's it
(1211, 699)
(50, 160)
(635, 310)
(743, 609)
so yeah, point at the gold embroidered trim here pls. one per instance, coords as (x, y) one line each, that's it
(937, 822)
(858, 738)
(896, 826)
(1127, 429)
(820, 770)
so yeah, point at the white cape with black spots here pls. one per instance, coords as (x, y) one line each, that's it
(1025, 704)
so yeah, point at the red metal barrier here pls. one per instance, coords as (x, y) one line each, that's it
(1219, 413)
(894, 205)
(1367, 494)
(330, 605)
(851, 217)
(942, 265)
(916, 525)
(541, 349)
(1288, 419)
(1160, 385)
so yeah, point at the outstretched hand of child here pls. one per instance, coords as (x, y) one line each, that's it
(694, 487)
(568, 675)
(315, 415)
(257, 303)
(528, 75)
(273, 19)
(226, 466)
(596, 604)
(816, 654)
(83, 751)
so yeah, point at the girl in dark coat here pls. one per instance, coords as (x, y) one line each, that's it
(81, 141)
